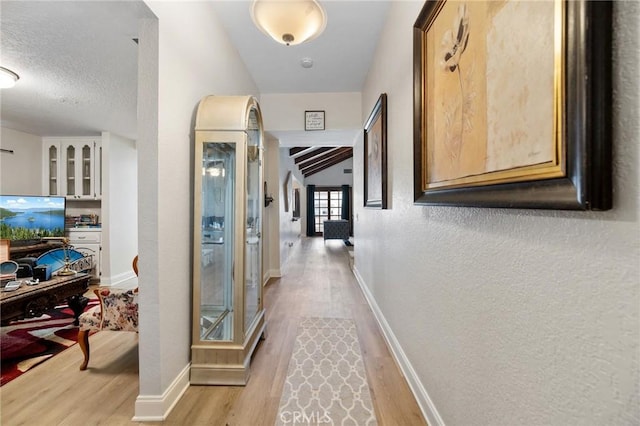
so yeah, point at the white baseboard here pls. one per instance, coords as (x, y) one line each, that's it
(424, 402)
(271, 273)
(156, 408)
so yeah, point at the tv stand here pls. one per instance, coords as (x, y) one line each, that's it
(33, 250)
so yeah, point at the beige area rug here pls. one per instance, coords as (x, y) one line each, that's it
(326, 381)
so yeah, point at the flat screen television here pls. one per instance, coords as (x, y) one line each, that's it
(26, 219)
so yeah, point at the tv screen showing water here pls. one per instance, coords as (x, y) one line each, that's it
(30, 217)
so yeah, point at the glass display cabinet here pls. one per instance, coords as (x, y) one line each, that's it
(73, 167)
(228, 316)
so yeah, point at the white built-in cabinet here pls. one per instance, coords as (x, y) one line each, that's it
(73, 167)
(89, 242)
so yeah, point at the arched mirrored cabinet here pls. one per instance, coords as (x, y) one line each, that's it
(228, 315)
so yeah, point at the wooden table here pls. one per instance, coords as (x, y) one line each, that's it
(32, 301)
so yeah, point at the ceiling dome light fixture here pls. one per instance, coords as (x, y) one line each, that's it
(8, 78)
(289, 22)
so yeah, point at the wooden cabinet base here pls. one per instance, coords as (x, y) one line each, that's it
(224, 364)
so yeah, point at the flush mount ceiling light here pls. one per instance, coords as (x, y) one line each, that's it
(289, 22)
(8, 78)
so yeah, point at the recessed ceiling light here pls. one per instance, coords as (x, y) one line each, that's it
(306, 62)
(8, 78)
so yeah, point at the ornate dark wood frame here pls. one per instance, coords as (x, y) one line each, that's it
(379, 113)
(586, 117)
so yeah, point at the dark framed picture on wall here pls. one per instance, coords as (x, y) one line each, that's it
(375, 156)
(512, 104)
(296, 203)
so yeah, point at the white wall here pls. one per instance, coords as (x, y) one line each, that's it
(286, 111)
(183, 56)
(271, 221)
(333, 176)
(290, 231)
(506, 317)
(119, 208)
(20, 172)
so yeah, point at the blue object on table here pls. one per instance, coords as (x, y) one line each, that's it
(55, 258)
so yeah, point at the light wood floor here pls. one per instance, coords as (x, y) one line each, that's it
(317, 283)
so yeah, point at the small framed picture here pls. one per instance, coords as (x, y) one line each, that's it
(314, 120)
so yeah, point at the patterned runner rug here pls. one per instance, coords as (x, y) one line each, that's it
(326, 381)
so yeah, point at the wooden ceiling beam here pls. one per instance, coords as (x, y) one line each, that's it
(329, 163)
(312, 154)
(325, 157)
(297, 149)
(332, 163)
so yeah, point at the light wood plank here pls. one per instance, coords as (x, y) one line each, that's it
(316, 283)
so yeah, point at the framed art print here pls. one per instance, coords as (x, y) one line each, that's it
(375, 156)
(314, 120)
(512, 104)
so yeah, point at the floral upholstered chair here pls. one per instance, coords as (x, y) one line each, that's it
(118, 311)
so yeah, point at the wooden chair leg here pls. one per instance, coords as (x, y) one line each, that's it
(83, 341)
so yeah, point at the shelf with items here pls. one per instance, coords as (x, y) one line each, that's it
(82, 221)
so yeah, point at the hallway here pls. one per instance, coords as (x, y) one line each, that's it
(317, 282)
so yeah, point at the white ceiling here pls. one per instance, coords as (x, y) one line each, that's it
(341, 54)
(77, 61)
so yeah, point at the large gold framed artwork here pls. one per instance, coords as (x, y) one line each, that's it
(512, 104)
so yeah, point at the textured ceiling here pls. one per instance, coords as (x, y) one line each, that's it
(78, 63)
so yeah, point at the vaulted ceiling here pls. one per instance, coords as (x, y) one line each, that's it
(311, 160)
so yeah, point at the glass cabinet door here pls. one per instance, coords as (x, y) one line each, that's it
(71, 170)
(217, 246)
(87, 172)
(53, 170)
(253, 250)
